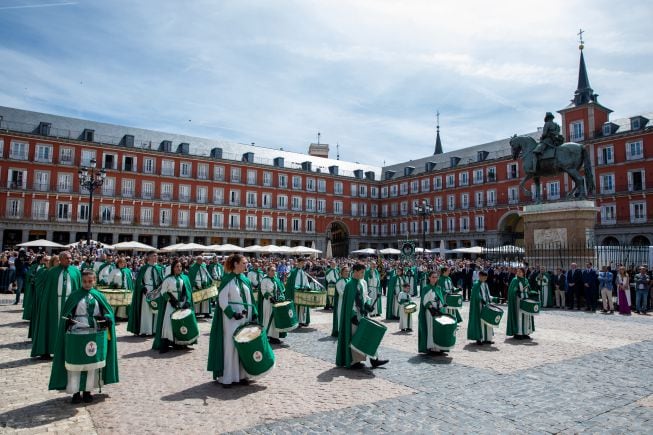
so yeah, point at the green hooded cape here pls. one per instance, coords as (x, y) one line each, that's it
(513, 308)
(422, 331)
(336, 298)
(45, 334)
(37, 294)
(368, 274)
(474, 331)
(216, 345)
(390, 298)
(28, 289)
(163, 303)
(442, 280)
(343, 355)
(58, 374)
(134, 315)
(193, 270)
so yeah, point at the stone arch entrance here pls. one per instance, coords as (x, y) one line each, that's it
(640, 241)
(511, 229)
(338, 234)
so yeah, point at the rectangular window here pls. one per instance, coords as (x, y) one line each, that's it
(464, 200)
(608, 214)
(478, 199)
(183, 218)
(147, 215)
(404, 208)
(165, 217)
(66, 156)
(251, 176)
(128, 187)
(451, 180)
(267, 223)
(362, 209)
(384, 210)
(218, 173)
(282, 202)
(394, 190)
(478, 176)
(403, 228)
(218, 195)
(337, 207)
(437, 183)
(451, 202)
(638, 212)
(251, 199)
(281, 225)
(40, 210)
(266, 200)
(296, 182)
(184, 193)
(363, 229)
(394, 209)
(553, 190)
(491, 198)
(321, 205)
(607, 183)
(65, 183)
(375, 230)
(185, 169)
(217, 220)
(129, 164)
(384, 192)
(42, 181)
(110, 161)
(82, 212)
(354, 209)
(634, 150)
(606, 155)
(437, 226)
(393, 229)
(87, 156)
(267, 179)
(362, 191)
(297, 203)
(513, 195)
(14, 208)
(353, 187)
(337, 188)
(296, 225)
(414, 186)
(168, 168)
(234, 197)
(203, 171)
(148, 166)
(491, 174)
(403, 189)
(464, 224)
(201, 219)
(426, 184)
(18, 150)
(437, 203)
(202, 195)
(166, 191)
(107, 213)
(127, 214)
(384, 230)
(250, 223)
(147, 190)
(463, 178)
(374, 192)
(480, 222)
(636, 181)
(321, 185)
(235, 175)
(451, 224)
(513, 171)
(43, 153)
(108, 187)
(576, 131)
(310, 204)
(283, 181)
(310, 184)
(375, 210)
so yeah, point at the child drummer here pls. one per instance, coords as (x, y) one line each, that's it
(86, 311)
(405, 319)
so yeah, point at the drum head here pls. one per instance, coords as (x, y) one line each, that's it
(445, 320)
(281, 304)
(495, 308)
(180, 314)
(247, 333)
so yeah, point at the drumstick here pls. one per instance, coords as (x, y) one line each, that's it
(71, 319)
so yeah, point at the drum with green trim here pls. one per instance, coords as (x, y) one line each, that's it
(368, 336)
(491, 314)
(310, 298)
(85, 350)
(410, 307)
(444, 331)
(285, 316)
(254, 351)
(184, 326)
(530, 306)
(454, 300)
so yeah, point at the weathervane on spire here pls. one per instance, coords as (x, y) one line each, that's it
(580, 39)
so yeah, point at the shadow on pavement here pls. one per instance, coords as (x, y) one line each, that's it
(433, 359)
(473, 347)
(38, 414)
(17, 346)
(341, 372)
(22, 363)
(155, 354)
(515, 342)
(214, 390)
(133, 338)
(304, 330)
(22, 324)
(328, 338)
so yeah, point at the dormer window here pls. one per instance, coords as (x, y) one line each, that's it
(607, 129)
(635, 124)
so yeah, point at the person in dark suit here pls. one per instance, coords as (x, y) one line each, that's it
(467, 277)
(574, 286)
(590, 286)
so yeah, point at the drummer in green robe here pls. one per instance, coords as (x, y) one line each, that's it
(338, 298)
(395, 286)
(476, 329)
(105, 270)
(200, 278)
(331, 276)
(61, 281)
(121, 278)
(298, 281)
(142, 317)
(215, 269)
(28, 289)
(520, 324)
(355, 306)
(85, 313)
(175, 294)
(373, 279)
(446, 287)
(432, 305)
(47, 262)
(272, 291)
(235, 308)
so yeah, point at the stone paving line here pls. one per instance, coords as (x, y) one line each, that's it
(561, 384)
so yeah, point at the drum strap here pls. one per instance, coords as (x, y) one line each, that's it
(90, 310)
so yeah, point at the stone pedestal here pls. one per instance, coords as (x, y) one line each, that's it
(560, 230)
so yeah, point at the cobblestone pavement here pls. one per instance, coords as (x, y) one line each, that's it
(581, 373)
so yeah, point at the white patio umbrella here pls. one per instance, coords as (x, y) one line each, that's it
(172, 248)
(252, 249)
(283, 249)
(230, 248)
(95, 242)
(329, 250)
(269, 249)
(41, 243)
(390, 251)
(470, 250)
(133, 246)
(366, 251)
(192, 247)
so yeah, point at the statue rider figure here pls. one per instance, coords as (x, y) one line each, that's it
(551, 136)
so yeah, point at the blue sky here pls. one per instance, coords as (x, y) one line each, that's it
(368, 74)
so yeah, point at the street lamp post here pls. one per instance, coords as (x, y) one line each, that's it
(90, 179)
(424, 210)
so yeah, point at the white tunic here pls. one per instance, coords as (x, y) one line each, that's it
(169, 285)
(230, 296)
(148, 315)
(93, 377)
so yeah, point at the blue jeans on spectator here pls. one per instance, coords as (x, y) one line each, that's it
(642, 296)
(20, 282)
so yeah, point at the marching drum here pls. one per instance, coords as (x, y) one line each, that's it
(491, 314)
(368, 336)
(153, 302)
(331, 290)
(254, 351)
(184, 326)
(85, 350)
(530, 306)
(204, 294)
(444, 331)
(310, 298)
(410, 308)
(117, 297)
(454, 300)
(285, 316)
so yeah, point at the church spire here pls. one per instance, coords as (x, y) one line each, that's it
(584, 93)
(438, 142)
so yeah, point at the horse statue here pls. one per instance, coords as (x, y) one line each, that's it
(569, 157)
